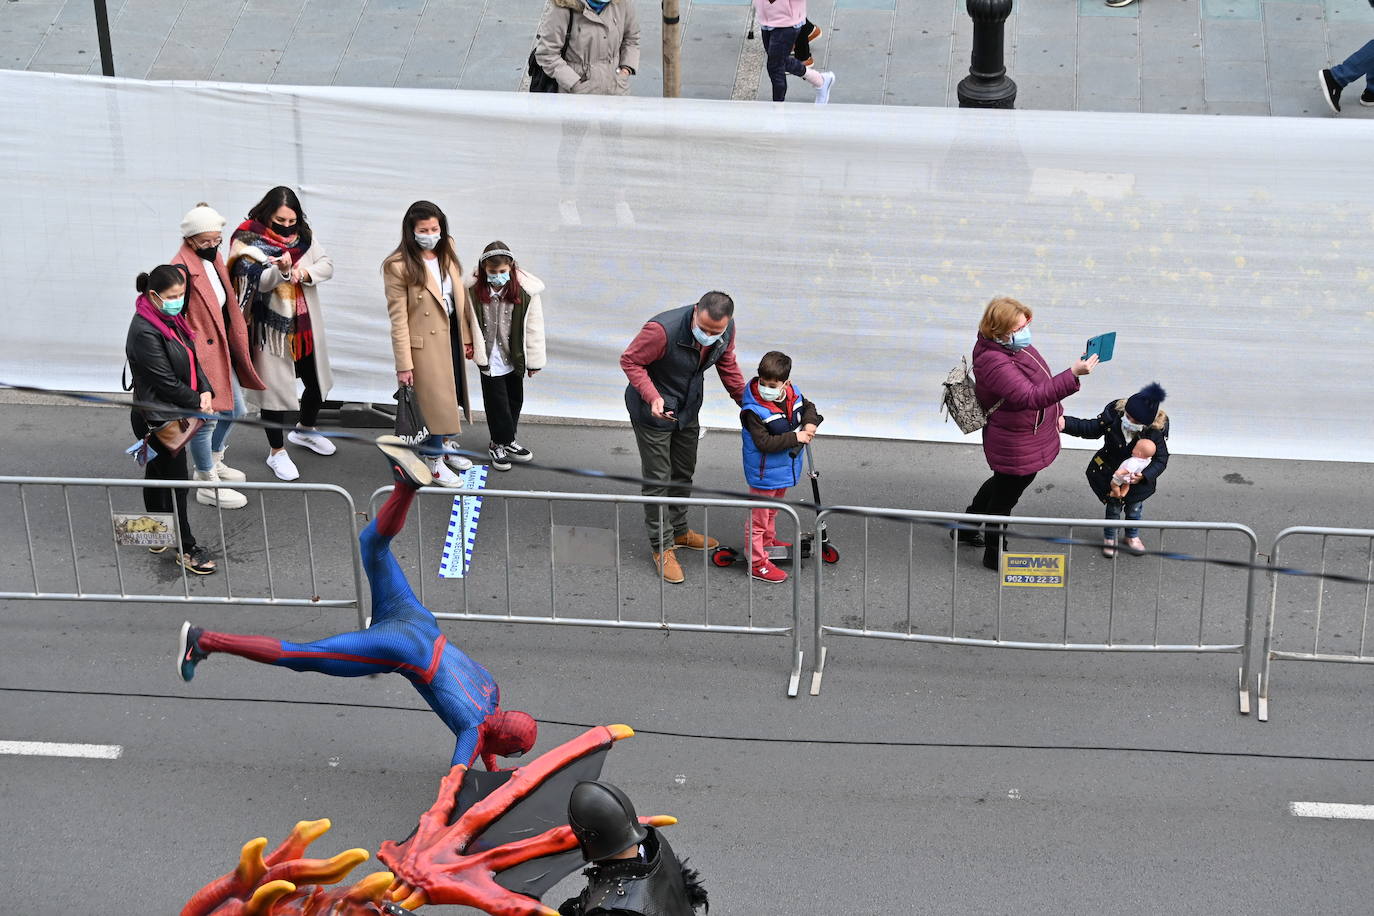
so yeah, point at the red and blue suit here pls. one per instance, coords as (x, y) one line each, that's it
(404, 638)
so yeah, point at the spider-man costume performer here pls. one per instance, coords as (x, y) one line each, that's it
(404, 638)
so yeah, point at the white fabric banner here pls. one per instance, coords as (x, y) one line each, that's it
(1228, 253)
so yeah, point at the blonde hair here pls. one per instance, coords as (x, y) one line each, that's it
(1001, 316)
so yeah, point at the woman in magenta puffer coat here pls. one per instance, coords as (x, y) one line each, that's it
(1022, 394)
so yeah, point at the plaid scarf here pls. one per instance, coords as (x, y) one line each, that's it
(279, 317)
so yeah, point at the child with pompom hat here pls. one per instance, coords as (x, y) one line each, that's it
(1123, 424)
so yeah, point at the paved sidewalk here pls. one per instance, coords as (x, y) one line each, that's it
(1254, 57)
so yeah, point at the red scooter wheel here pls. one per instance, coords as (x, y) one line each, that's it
(829, 554)
(724, 556)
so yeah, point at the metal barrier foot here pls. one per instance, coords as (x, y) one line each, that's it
(1263, 698)
(1244, 694)
(818, 673)
(794, 681)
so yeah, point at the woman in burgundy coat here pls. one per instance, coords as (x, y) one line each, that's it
(1016, 385)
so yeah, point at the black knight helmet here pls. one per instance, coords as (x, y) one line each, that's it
(603, 819)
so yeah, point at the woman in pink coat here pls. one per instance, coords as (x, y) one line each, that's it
(1015, 384)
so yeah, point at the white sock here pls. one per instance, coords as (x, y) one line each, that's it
(813, 77)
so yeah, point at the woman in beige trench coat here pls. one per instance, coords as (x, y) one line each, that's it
(431, 328)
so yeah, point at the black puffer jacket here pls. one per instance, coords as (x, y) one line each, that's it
(162, 372)
(1116, 449)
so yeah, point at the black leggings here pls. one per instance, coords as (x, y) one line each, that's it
(165, 467)
(998, 495)
(311, 399)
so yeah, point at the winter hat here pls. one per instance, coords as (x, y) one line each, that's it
(201, 218)
(1143, 406)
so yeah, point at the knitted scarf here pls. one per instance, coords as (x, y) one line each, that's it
(278, 318)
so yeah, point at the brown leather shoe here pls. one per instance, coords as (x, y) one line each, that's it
(695, 541)
(666, 563)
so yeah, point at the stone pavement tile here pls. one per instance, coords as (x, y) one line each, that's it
(1045, 92)
(177, 61)
(1109, 77)
(1294, 99)
(433, 59)
(1233, 40)
(250, 67)
(1178, 13)
(1236, 81)
(707, 90)
(711, 45)
(263, 31)
(1171, 96)
(373, 70)
(1096, 8)
(918, 53)
(1230, 9)
(1259, 109)
(856, 97)
(858, 48)
(1349, 11)
(1092, 102)
(1045, 53)
(1293, 62)
(306, 60)
(1294, 23)
(1344, 38)
(1037, 16)
(497, 58)
(1108, 38)
(1157, 66)
(925, 89)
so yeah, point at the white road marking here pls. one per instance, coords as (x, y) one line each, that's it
(1330, 809)
(55, 749)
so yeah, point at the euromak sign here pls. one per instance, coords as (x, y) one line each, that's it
(1035, 570)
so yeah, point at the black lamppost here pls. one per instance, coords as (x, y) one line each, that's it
(987, 84)
(102, 34)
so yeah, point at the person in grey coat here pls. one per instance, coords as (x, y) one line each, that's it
(589, 47)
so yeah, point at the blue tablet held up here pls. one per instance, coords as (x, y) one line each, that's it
(1103, 345)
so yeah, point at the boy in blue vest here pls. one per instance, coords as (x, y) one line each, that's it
(778, 421)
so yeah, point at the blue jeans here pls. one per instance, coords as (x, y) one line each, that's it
(1133, 513)
(778, 44)
(210, 437)
(1359, 64)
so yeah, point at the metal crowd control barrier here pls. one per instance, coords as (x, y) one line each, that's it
(1321, 612)
(950, 634)
(256, 566)
(595, 549)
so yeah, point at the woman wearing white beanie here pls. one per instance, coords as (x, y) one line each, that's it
(222, 349)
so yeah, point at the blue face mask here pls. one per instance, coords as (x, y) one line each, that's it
(171, 307)
(500, 279)
(1020, 340)
(703, 338)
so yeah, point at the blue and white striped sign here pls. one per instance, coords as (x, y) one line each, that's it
(462, 526)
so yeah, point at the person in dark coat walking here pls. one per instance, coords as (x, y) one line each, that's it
(1121, 425)
(167, 383)
(1014, 383)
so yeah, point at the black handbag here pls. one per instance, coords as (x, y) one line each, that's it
(410, 425)
(539, 80)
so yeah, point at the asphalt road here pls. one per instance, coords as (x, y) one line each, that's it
(923, 778)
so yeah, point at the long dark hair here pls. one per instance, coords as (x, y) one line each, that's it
(412, 255)
(274, 200)
(483, 289)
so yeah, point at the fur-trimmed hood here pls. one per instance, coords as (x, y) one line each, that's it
(1161, 418)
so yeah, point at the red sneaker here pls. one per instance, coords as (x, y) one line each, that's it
(779, 544)
(767, 572)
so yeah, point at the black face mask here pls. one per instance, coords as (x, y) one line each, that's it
(283, 231)
(208, 254)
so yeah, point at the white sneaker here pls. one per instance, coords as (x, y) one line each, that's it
(312, 440)
(217, 496)
(282, 465)
(224, 472)
(823, 91)
(457, 462)
(443, 474)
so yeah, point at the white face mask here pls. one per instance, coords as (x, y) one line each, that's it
(428, 242)
(770, 394)
(1130, 429)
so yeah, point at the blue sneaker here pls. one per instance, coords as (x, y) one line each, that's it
(189, 653)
